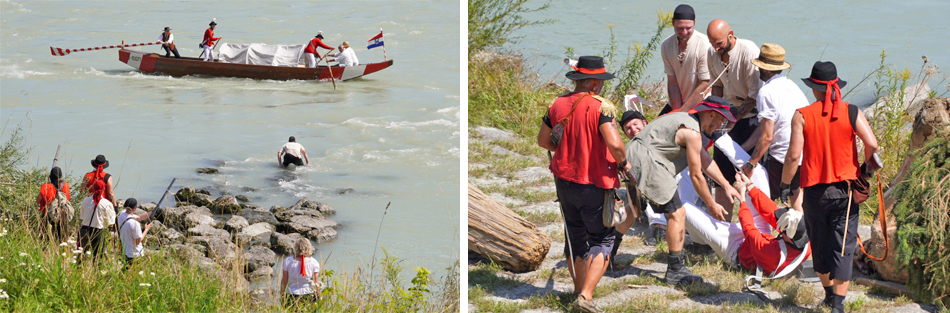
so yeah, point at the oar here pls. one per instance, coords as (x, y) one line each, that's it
(159, 205)
(327, 58)
(62, 52)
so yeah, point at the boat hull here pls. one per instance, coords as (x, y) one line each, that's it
(154, 63)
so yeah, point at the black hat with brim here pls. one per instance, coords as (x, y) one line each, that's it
(589, 67)
(629, 115)
(714, 103)
(823, 71)
(100, 159)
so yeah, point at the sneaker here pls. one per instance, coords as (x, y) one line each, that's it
(584, 305)
(682, 276)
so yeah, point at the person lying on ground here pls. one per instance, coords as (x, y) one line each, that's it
(761, 249)
(131, 231)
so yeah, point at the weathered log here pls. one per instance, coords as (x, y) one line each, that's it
(934, 114)
(499, 234)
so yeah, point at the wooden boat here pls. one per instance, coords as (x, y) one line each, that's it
(154, 63)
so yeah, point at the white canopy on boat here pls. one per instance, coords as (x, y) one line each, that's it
(261, 54)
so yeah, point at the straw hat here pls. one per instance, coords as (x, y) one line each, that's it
(771, 58)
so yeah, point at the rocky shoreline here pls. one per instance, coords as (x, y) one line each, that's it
(228, 232)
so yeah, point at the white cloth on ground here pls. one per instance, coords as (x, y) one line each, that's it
(296, 284)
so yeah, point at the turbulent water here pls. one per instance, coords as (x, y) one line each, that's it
(392, 136)
(849, 33)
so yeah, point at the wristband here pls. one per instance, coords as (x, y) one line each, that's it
(621, 165)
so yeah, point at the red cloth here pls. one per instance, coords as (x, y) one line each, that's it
(92, 177)
(829, 154)
(758, 248)
(314, 43)
(209, 37)
(829, 104)
(48, 193)
(97, 190)
(303, 269)
(582, 156)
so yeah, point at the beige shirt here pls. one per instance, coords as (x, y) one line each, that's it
(741, 79)
(693, 68)
(104, 213)
(293, 149)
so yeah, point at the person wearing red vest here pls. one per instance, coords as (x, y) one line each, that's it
(208, 42)
(823, 138)
(99, 164)
(311, 53)
(588, 153)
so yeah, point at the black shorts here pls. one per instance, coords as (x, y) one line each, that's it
(775, 169)
(739, 133)
(291, 159)
(583, 213)
(669, 207)
(825, 213)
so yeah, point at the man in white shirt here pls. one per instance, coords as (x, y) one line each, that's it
(292, 152)
(346, 57)
(131, 233)
(777, 101)
(168, 43)
(97, 214)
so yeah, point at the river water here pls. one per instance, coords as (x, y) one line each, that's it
(849, 33)
(393, 136)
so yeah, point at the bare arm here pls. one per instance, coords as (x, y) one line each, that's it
(614, 144)
(304, 152)
(867, 136)
(692, 140)
(696, 97)
(283, 281)
(279, 163)
(675, 95)
(544, 138)
(766, 127)
(147, 227)
(795, 145)
(110, 194)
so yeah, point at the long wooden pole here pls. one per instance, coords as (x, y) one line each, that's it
(326, 57)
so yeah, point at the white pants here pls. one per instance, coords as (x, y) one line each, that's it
(311, 60)
(208, 56)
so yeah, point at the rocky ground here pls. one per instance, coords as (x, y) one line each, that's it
(512, 171)
(228, 233)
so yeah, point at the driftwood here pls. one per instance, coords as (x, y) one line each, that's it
(934, 114)
(498, 233)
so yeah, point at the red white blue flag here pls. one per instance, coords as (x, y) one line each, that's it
(376, 41)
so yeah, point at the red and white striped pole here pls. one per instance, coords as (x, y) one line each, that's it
(384, 45)
(62, 52)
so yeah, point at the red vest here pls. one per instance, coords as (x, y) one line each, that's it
(829, 154)
(582, 156)
(209, 37)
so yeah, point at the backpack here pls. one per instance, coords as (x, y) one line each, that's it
(60, 211)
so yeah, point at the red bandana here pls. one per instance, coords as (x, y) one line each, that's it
(588, 71)
(830, 104)
(303, 271)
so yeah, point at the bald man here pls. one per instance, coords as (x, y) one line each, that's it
(740, 86)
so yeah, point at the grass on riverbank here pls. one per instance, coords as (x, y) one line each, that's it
(38, 275)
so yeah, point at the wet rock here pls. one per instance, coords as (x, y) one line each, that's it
(226, 205)
(203, 191)
(263, 274)
(288, 214)
(258, 257)
(236, 223)
(201, 200)
(318, 229)
(242, 198)
(207, 170)
(258, 215)
(314, 205)
(283, 244)
(343, 191)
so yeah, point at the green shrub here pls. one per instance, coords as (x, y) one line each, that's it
(492, 22)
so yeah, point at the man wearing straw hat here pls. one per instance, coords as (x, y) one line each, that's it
(684, 61)
(823, 139)
(580, 128)
(663, 149)
(777, 101)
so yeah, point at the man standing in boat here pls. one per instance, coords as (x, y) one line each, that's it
(346, 56)
(208, 41)
(292, 151)
(168, 43)
(311, 51)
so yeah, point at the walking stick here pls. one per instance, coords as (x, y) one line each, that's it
(327, 58)
(847, 214)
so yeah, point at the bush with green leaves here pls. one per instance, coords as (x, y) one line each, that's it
(492, 23)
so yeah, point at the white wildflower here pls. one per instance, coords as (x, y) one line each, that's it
(141, 273)
(72, 260)
(22, 264)
(3, 280)
(63, 244)
(64, 254)
(88, 252)
(3, 294)
(152, 273)
(145, 285)
(23, 254)
(102, 272)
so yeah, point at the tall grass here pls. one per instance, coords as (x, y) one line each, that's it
(491, 23)
(38, 275)
(503, 92)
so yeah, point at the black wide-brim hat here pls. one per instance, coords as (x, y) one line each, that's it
(823, 71)
(714, 103)
(589, 67)
(100, 159)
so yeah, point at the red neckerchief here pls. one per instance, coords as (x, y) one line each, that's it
(830, 104)
(303, 272)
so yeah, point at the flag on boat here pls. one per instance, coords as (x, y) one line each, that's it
(376, 41)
